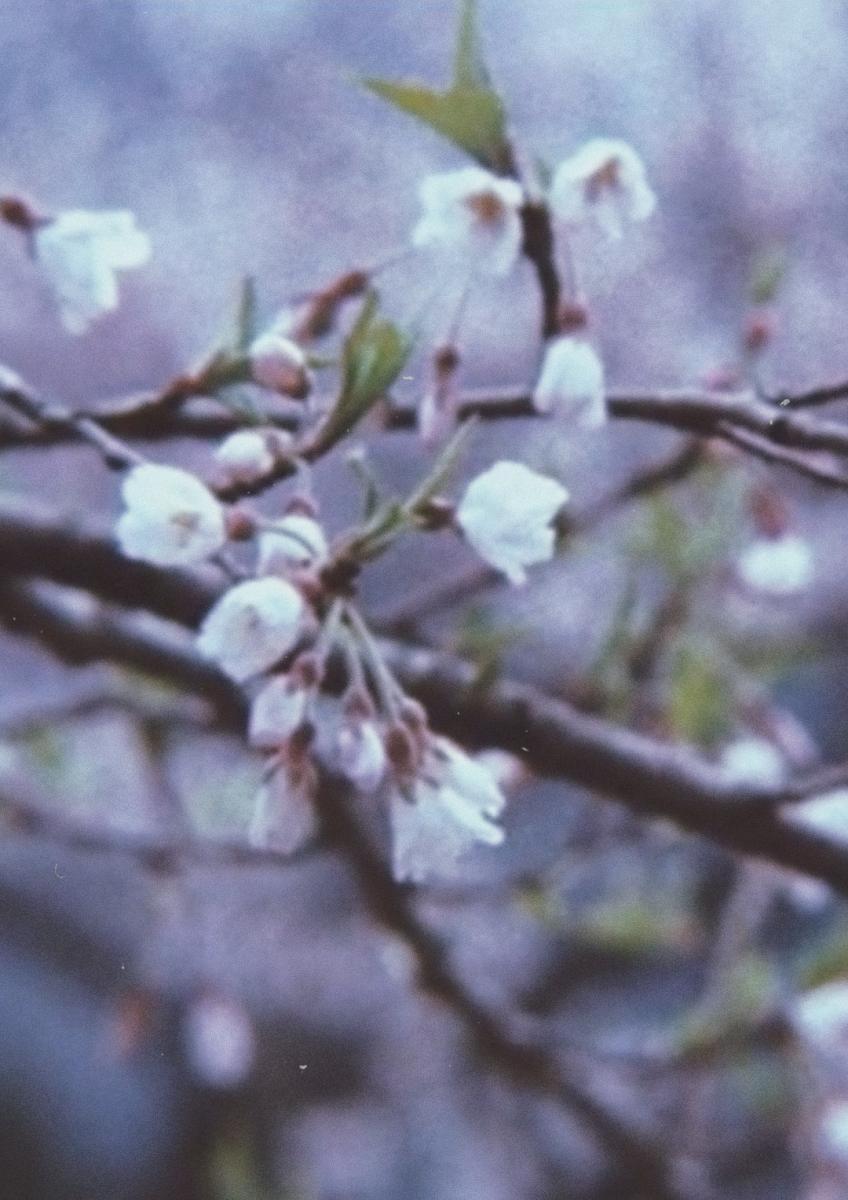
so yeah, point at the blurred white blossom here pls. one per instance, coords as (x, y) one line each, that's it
(220, 1041)
(603, 182)
(571, 383)
(252, 626)
(279, 364)
(474, 214)
(284, 816)
(244, 455)
(820, 1016)
(80, 252)
(754, 761)
(362, 754)
(295, 541)
(449, 808)
(171, 517)
(827, 813)
(277, 711)
(778, 566)
(506, 515)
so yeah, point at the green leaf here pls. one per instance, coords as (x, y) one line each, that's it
(469, 113)
(358, 463)
(246, 315)
(767, 272)
(443, 468)
(469, 70)
(701, 703)
(374, 355)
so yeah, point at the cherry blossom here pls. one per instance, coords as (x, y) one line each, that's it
(506, 516)
(473, 214)
(252, 626)
(778, 566)
(603, 182)
(171, 518)
(571, 383)
(279, 364)
(80, 252)
(295, 541)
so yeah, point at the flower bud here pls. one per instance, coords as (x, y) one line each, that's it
(279, 364)
(244, 456)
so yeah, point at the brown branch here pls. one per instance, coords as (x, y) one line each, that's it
(553, 738)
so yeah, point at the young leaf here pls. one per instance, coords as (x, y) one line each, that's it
(443, 467)
(374, 355)
(469, 113)
(246, 315)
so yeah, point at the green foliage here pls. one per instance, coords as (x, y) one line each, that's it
(374, 355)
(636, 927)
(767, 272)
(443, 468)
(246, 315)
(746, 996)
(687, 544)
(469, 113)
(701, 696)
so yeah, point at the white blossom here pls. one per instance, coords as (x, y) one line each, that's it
(252, 626)
(475, 215)
(244, 455)
(362, 754)
(295, 541)
(603, 182)
(284, 816)
(279, 364)
(276, 712)
(450, 807)
(754, 761)
(171, 517)
(821, 1015)
(833, 1131)
(506, 515)
(827, 813)
(777, 566)
(80, 252)
(571, 383)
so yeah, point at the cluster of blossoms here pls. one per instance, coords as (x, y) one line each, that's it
(274, 632)
(476, 216)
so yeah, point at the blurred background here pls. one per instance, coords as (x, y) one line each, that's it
(243, 1033)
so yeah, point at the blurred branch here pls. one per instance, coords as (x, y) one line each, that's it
(650, 777)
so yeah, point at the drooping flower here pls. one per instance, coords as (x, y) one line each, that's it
(475, 215)
(571, 383)
(753, 760)
(777, 566)
(506, 515)
(362, 754)
(252, 626)
(279, 364)
(244, 455)
(277, 711)
(284, 817)
(603, 182)
(80, 252)
(171, 518)
(297, 541)
(450, 807)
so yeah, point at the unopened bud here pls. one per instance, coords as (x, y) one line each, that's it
(302, 506)
(435, 514)
(572, 317)
(759, 329)
(17, 212)
(357, 704)
(401, 750)
(308, 670)
(241, 524)
(769, 512)
(279, 364)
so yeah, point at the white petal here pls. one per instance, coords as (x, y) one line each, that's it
(779, 566)
(284, 818)
(296, 541)
(362, 755)
(244, 455)
(471, 779)
(433, 830)
(279, 364)
(473, 214)
(506, 513)
(603, 182)
(252, 626)
(171, 518)
(571, 382)
(276, 712)
(80, 252)
(753, 760)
